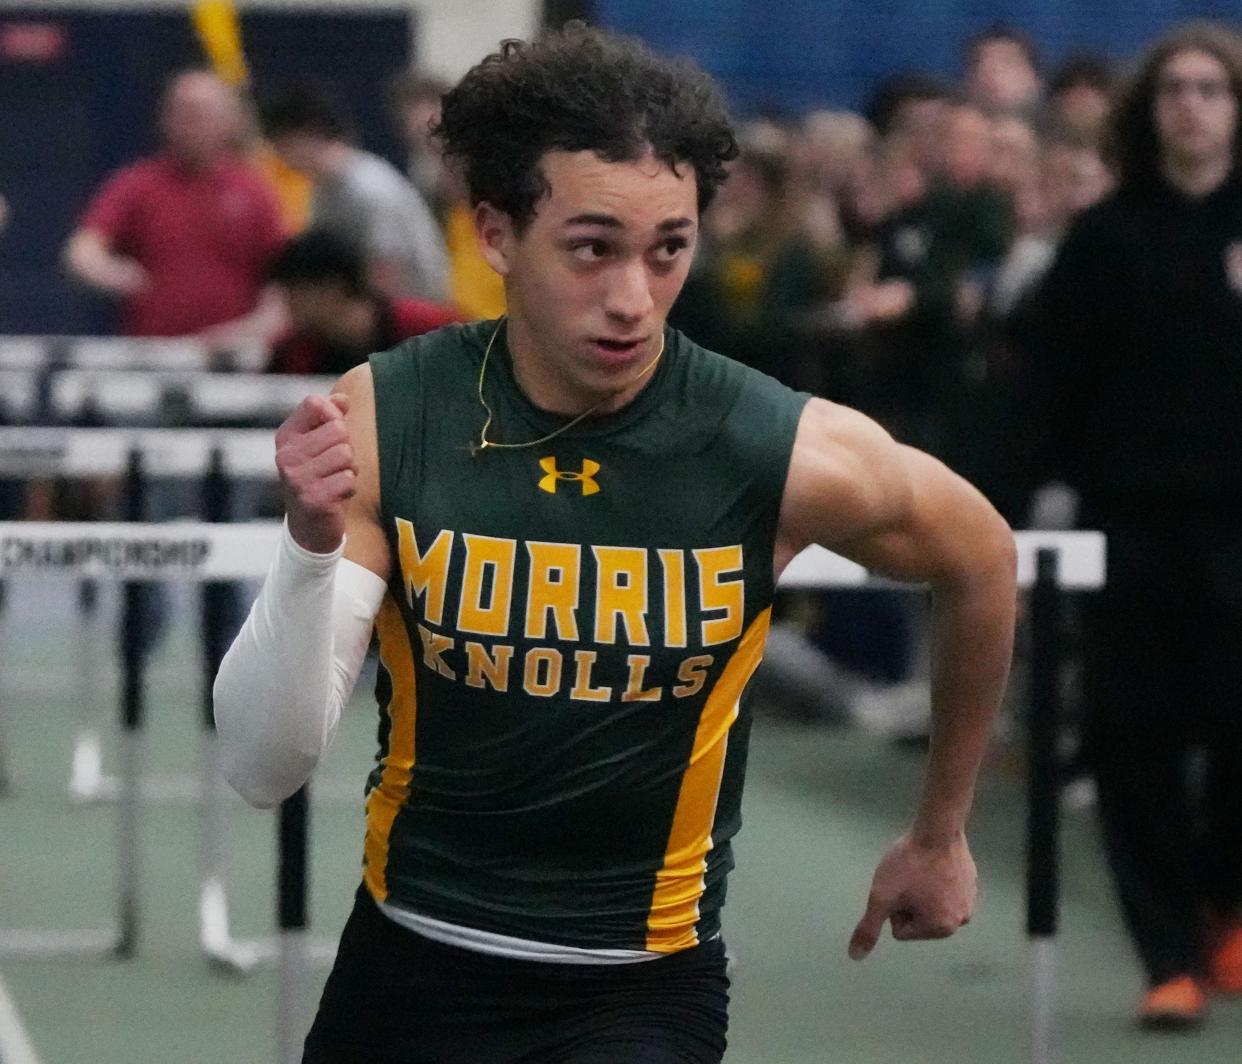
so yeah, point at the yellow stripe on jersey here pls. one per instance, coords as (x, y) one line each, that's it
(680, 882)
(397, 657)
(674, 562)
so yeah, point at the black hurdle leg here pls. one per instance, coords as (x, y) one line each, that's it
(1043, 784)
(215, 598)
(292, 918)
(133, 616)
(5, 779)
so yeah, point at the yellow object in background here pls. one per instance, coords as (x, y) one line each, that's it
(293, 190)
(475, 288)
(219, 32)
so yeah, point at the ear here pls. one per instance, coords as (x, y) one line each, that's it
(497, 238)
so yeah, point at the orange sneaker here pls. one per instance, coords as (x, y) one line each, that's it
(1225, 961)
(1174, 1005)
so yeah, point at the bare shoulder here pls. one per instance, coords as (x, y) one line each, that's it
(358, 386)
(847, 477)
(898, 511)
(365, 542)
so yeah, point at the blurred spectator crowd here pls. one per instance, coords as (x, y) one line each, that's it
(881, 259)
(884, 259)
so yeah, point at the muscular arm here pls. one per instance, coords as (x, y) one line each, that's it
(282, 684)
(902, 514)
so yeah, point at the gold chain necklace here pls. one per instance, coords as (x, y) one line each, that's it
(484, 443)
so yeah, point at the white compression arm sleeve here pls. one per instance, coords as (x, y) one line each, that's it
(281, 686)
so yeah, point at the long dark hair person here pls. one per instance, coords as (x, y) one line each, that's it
(1133, 146)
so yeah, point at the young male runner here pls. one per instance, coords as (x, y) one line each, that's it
(566, 528)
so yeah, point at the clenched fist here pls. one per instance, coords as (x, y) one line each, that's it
(923, 891)
(317, 472)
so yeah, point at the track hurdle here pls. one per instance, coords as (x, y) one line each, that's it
(217, 457)
(136, 552)
(82, 453)
(199, 553)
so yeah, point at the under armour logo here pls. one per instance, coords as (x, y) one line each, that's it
(586, 478)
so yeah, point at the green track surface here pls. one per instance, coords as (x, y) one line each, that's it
(821, 806)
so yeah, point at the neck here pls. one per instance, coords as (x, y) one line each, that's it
(1196, 177)
(192, 163)
(332, 158)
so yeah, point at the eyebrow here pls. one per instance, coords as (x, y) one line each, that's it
(610, 222)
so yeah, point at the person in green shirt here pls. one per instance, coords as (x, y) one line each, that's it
(566, 528)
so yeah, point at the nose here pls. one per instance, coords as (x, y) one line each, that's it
(628, 299)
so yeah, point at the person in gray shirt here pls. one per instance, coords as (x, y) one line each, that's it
(360, 197)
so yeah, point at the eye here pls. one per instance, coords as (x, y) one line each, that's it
(668, 250)
(589, 250)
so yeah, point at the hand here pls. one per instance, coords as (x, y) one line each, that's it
(925, 890)
(317, 472)
(887, 301)
(970, 300)
(125, 276)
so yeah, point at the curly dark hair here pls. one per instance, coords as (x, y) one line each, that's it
(1132, 144)
(580, 89)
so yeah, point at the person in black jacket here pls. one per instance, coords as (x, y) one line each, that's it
(1135, 363)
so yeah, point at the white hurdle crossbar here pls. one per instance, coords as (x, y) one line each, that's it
(104, 452)
(158, 395)
(206, 396)
(41, 353)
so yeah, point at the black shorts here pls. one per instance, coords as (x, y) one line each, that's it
(395, 997)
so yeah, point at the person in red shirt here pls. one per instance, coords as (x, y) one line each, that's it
(185, 237)
(338, 317)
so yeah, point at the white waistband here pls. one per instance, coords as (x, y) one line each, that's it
(522, 949)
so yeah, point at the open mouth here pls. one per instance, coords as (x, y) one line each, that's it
(618, 347)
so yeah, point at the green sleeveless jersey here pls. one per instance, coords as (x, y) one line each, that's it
(565, 641)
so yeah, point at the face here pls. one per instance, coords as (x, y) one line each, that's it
(417, 116)
(1015, 153)
(1082, 107)
(590, 280)
(1002, 77)
(1074, 178)
(968, 147)
(830, 151)
(200, 118)
(317, 308)
(898, 180)
(923, 123)
(1196, 111)
(745, 200)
